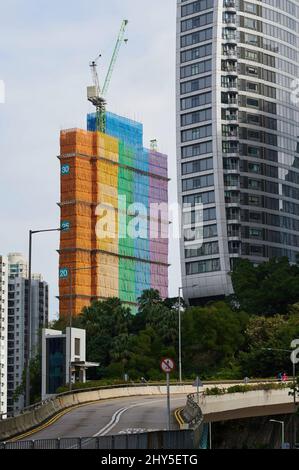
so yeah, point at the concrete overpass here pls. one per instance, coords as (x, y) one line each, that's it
(244, 405)
(128, 410)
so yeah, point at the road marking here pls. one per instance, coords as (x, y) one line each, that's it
(118, 414)
(103, 431)
(73, 408)
(178, 416)
(48, 423)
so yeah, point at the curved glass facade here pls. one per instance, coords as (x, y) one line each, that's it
(238, 109)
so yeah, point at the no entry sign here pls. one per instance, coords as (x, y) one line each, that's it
(167, 365)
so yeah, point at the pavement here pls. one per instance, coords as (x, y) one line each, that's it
(112, 417)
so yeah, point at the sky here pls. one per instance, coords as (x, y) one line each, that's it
(45, 50)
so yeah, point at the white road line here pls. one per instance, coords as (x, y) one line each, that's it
(114, 423)
(100, 433)
(117, 415)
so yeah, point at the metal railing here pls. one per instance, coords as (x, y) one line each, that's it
(192, 413)
(151, 440)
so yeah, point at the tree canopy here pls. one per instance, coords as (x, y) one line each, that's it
(233, 338)
(266, 289)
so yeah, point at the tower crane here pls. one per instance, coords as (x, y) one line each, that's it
(95, 94)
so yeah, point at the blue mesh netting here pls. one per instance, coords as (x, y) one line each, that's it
(124, 129)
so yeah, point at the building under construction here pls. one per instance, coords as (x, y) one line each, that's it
(98, 170)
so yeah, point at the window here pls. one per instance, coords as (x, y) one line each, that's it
(195, 85)
(251, 55)
(201, 198)
(254, 168)
(197, 21)
(197, 149)
(197, 133)
(195, 101)
(205, 249)
(197, 182)
(199, 267)
(196, 117)
(255, 233)
(252, 86)
(250, 8)
(252, 70)
(252, 102)
(77, 346)
(196, 53)
(253, 119)
(253, 200)
(195, 69)
(250, 23)
(253, 151)
(254, 184)
(251, 39)
(197, 166)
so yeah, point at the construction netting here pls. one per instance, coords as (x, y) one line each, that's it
(109, 183)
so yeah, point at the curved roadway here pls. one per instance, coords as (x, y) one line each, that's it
(111, 417)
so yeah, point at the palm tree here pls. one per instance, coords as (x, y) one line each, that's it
(149, 298)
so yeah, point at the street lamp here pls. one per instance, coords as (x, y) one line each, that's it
(180, 336)
(27, 388)
(282, 430)
(294, 367)
(294, 384)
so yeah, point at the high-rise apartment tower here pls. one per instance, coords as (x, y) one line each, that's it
(3, 334)
(237, 136)
(107, 179)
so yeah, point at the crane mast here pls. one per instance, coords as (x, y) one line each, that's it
(94, 93)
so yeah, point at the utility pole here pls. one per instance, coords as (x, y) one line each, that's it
(29, 316)
(180, 337)
(168, 400)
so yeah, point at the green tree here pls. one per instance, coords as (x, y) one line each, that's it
(212, 338)
(264, 337)
(265, 289)
(107, 324)
(35, 381)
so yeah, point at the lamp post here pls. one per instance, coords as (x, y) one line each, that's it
(27, 388)
(294, 384)
(180, 337)
(282, 430)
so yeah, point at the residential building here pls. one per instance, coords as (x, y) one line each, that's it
(3, 334)
(17, 331)
(237, 137)
(111, 177)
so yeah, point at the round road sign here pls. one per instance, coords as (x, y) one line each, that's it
(167, 365)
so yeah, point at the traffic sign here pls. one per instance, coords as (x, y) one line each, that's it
(167, 365)
(198, 383)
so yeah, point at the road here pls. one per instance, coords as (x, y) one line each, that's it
(111, 417)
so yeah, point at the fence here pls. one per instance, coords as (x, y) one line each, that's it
(152, 440)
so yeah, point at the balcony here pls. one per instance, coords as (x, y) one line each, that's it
(229, 4)
(231, 52)
(232, 199)
(229, 36)
(230, 21)
(231, 117)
